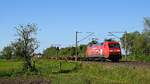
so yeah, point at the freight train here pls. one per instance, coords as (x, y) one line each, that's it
(108, 50)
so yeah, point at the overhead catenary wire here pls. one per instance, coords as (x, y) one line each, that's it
(86, 36)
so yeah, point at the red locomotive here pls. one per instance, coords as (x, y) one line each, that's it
(107, 50)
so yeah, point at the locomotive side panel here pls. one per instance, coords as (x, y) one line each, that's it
(92, 51)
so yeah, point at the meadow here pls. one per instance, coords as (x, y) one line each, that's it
(69, 72)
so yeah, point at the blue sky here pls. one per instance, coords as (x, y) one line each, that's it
(59, 19)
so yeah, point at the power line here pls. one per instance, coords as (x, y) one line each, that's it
(91, 33)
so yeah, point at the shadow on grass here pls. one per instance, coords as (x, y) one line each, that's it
(10, 74)
(63, 71)
(5, 74)
(16, 73)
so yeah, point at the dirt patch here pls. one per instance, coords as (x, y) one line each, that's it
(29, 80)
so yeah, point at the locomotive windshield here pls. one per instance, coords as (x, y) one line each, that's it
(116, 45)
(91, 45)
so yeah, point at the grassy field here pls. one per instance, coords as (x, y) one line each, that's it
(143, 58)
(79, 73)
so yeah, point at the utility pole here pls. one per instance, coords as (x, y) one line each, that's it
(77, 41)
(76, 45)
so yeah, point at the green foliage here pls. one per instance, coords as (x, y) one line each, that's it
(1, 56)
(26, 44)
(7, 52)
(67, 51)
(9, 68)
(52, 51)
(131, 40)
(17, 50)
(135, 57)
(82, 49)
(138, 44)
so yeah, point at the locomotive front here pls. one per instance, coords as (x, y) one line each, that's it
(114, 51)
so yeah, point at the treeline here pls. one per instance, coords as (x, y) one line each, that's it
(138, 43)
(67, 51)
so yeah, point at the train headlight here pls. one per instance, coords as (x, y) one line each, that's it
(110, 50)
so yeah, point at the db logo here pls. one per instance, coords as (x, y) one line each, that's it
(99, 51)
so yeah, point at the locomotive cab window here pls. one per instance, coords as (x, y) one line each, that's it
(116, 45)
(101, 44)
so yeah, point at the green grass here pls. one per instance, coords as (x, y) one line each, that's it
(9, 68)
(81, 73)
(144, 58)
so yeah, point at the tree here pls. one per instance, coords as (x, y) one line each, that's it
(132, 41)
(1, 56)
(7, 52)
(82, 49)
(67, 51)
(138, 43)
(16, 50)
(26, 44)
(49, 52)
(72, 51)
